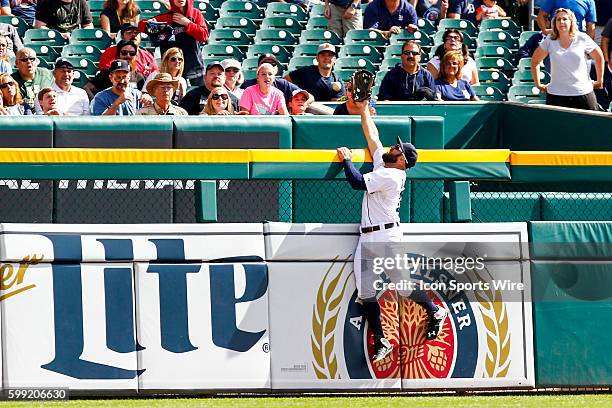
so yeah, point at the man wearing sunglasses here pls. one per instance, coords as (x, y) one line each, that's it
(145, 62)
(195, 100)
(408, 81)
(29, 76)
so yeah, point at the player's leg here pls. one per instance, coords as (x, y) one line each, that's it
(435, 315)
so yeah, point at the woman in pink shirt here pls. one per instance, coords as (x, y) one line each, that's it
(263, 98)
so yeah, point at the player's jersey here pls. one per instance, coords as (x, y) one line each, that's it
(381, 202)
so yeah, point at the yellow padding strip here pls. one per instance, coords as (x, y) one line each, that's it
(561, 158)
(57, 155)
(362, 155)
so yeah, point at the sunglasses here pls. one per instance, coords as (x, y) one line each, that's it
(268, 62)
(130, 53)
(3, 45)
(174, 59)
(27, 59)
(6, 85)
(453, 38)
(232, 70)
(222, 96)
(413, 53)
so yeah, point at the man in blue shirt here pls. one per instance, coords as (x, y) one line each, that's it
(390, 17)
(119, 99)
(583, 9)
(320, 80)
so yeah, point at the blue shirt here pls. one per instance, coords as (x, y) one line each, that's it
(399, 85)
(377, 15)
(463, 91)
(466, 8)
(583, 9)
(103, 100)
(320, 87)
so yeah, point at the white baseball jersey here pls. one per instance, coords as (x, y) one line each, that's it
(381, 201)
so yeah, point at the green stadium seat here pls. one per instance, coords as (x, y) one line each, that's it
(215, 3)
(299, 62)
(497, 38)
(488, 93)
(389, 63)
(344, 74)
(422, 38)
(379, 77)
(524, 64)
(222, 51)
(305, 50)
(498, 51)
(426, 26)
(525, 78)
(373, 38)
(45, 64)
(80, 78)
(467, 39)
(87, 66)
(375, 90)
(355, 63)
(96, 7)
(525, 36)
(465, 26)
(494, 63)
(45, 52)
(250, 64)
(44, 36)
(494, 78)
(82, 50)
(229, 36)
(151, 6)
(275, 36)
(503, 24)
(96, 36)
(281, 53)
(17, 22)
(241, 9)
(285, 10)
(317, 10)
(318, 22)
(361, 50)
(237, 23)
(319, 36)
(287, 23)
(210, 13)
(525, 94)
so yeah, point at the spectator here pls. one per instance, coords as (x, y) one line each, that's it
(145, 62)
(47, 100)
(320, 80)
(13, 40)
(570, 85)
(12, 102)
(70, 100)
(299, 102)
(26, 9)
(283, 85)
(489, 10)
(584, 10)
(172, 63)
(233, 76)
(189, 32)
(349, 107)
(120, 99)
(63, 15)
(163, 87)
(449, 85)
(5, 61)
(408, 81)
(29, 76)
(390, 17)
(5, 8)
(532, 44)
(196, 99)
(116, 13)
(343, 16)
(435, 10)
(126, 51)
(606, 45)
(218, 103)
(452, 40)
(263, 98)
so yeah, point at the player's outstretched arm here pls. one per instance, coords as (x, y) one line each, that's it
(369, 128)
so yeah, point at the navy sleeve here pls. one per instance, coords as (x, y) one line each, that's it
(354, 177)
(413, 18)
(385, 93)
(370, 17)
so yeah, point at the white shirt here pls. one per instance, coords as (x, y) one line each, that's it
(466, 71)
(569, 71)
(72, 103)
(381, 201)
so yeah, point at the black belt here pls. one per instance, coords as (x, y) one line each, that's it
(365, 230)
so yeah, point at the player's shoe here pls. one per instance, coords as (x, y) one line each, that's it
(435, 321)
(383, 348)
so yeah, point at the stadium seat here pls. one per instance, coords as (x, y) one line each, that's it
(497, 38)
(237, 23)
(525, 36)
(318, 22)
(465, 26)
(299, 62)
(45, 52)
(215, 3)
(525, 94)
(467, 39)
(96, 36)
(285, 10)
(230, 36)
(154, 6)
(250, 64)
(241, 9)
(86, 66)
(505, 24)
(494, 51)
(494, 78)
(369, 37)
(16, 22)
(279, 51)
(525, 78)
(287, 23)
(80, 78)
(45, 64)
(426, 26)
(389, 63)
(96, 7)
(379, 77)
(494, 63)
(44, 36)
(305, 50)
(488, 93)
(222, 51)
(364, 51)
(82, 50)
(344, 74)
(275, 36)
(210, 13)
(317, 10)
(422, 38)
(319, 36)
(355, 63)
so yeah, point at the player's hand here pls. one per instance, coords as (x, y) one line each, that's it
(362, 106)
(344, 153)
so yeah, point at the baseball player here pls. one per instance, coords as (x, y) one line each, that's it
(380, 223)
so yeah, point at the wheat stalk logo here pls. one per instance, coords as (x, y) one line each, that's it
(324, 318)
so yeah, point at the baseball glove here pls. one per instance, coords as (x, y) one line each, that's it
(362, 82)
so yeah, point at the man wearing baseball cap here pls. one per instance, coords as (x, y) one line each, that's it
(283, 85)
(320, 79)
(70, 100)
(145, 61)
(193, 102)
(120, 99)
(162, 87)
